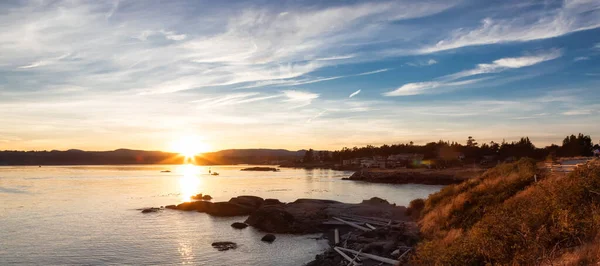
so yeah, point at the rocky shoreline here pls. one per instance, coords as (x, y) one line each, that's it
(416, 176)
(308, 216)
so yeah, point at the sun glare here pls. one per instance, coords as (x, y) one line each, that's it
(189, 182)
(189, 146)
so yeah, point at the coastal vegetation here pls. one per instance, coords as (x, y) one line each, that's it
(446, 152)
(506, 217)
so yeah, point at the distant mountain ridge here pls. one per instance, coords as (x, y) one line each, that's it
(130, 156)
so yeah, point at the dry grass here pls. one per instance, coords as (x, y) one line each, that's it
(505, 218)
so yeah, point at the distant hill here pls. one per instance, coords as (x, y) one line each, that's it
(127, 156)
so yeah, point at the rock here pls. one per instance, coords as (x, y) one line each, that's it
(237, 225)
(197, 196)
(172, 207)
(149, 210)
(271, 202)
(396, 253)
(307, 215)
(263, 169)
(224, 245)
(268, 238)
(273, 219)
(375, 200)
(206, 197)
(200, 206)
(228, 209)
(250, 201)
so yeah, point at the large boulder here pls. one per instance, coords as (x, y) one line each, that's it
(200, 206)
(271, 202)
(273, 219)
(229, 209)
(250, 201)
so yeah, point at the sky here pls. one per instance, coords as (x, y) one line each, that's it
(102, 75)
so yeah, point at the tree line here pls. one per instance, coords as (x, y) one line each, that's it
(572, 146)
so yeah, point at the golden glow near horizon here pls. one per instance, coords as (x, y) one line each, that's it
(189, 182)
(189, 146)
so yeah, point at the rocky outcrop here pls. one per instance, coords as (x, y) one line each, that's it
(238, 206)
(415, 176)
(306, 215)
(261, 169)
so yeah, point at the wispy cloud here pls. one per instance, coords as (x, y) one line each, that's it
(507, 63)
(581, 58)
(423, 63)
(494, 67)
(578, 112)
(426, 87)
(300, 98)
(572, 16)
(340, 57)
(354, 94)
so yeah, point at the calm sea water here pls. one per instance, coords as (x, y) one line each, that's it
(87, 215)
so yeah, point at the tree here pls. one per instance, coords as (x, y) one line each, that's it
(580, 145)
(308, 156)
(471, 142)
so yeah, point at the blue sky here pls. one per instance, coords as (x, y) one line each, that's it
(101, 75)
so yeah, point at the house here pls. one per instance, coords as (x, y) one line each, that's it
(399, 160)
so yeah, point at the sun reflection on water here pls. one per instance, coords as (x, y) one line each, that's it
(189, 182)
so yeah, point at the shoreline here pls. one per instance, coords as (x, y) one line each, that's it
(446, 176)
(374, 226)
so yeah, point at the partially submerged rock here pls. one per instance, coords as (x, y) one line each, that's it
(238, 225)
(224, 245)
(149, 210)
(268, 238)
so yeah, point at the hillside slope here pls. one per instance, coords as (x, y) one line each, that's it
(505, 217)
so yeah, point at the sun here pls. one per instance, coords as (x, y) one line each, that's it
(189, 146)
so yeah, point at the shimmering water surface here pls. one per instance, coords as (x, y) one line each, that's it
(88, 215)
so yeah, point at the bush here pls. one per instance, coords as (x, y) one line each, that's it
(415, 207)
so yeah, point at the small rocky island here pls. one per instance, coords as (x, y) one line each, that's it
(416, 176)
(261, 169)
(374, 226)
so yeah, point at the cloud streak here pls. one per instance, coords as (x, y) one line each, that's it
(354, 94)
(572, 16)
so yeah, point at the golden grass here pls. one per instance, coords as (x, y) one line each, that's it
(505, 218)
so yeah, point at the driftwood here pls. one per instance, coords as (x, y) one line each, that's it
(339, 251)
(405, 252)
(362, 220)
(370, 256)
(352, 224)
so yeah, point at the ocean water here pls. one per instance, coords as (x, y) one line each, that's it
(88, 215)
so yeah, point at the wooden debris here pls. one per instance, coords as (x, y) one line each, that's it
(370, 256)
(352, 224)
(339, 251)
(370, 226)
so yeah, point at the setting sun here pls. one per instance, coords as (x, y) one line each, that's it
(189, 146)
